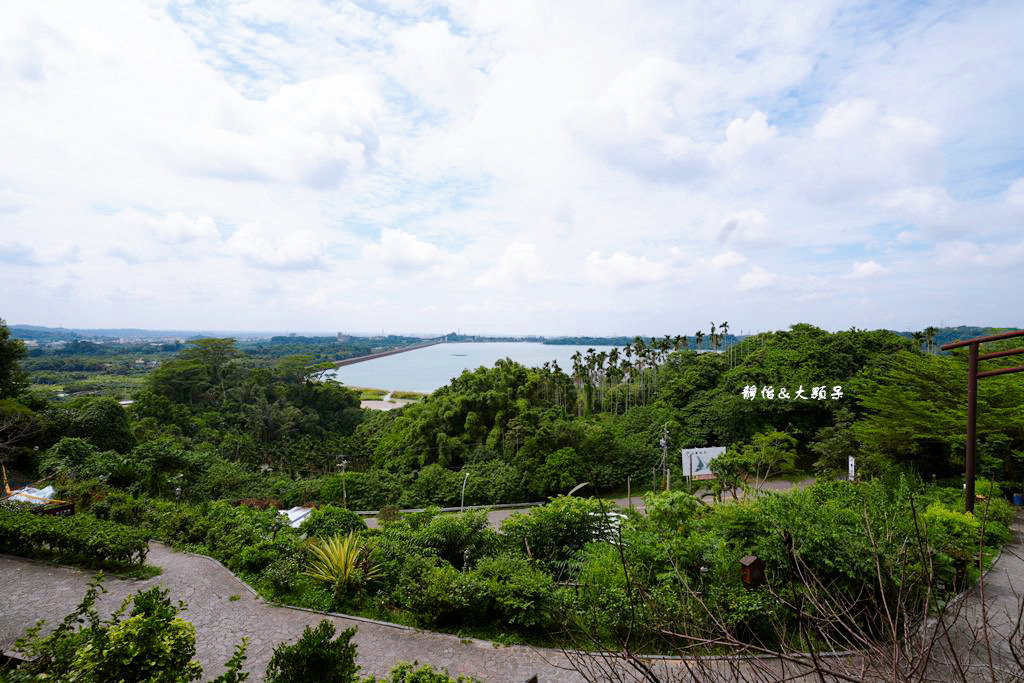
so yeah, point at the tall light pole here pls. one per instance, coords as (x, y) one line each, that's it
(344, 487)
(462, 504)
(972, 397)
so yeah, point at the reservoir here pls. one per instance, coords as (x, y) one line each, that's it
(433, 367)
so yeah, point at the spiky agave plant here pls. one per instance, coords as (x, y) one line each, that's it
(340, 561)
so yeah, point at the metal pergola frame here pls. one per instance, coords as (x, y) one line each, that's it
(972, 395)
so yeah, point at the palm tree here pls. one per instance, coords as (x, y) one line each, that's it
(723, 332)
(929, 336)
(698, 337)
(686, 343)
(918, 340)
(713, 338)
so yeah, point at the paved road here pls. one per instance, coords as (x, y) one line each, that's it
(496, 517)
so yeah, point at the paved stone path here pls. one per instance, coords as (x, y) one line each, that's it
(988, 654)
(32, 590)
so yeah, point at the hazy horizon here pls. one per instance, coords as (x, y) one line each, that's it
(406, 333)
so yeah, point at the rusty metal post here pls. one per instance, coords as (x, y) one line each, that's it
(972, 404)
(972, 396)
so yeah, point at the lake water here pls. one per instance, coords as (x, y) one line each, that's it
(435, 366)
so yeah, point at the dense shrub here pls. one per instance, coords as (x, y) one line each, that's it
(317, 656)
(404, 672)
(554, 532)
(460, 539)
(450, 597)
(329, 520)
(76, 537)
(520, 594)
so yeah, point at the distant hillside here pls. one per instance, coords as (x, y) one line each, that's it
(946, 335)
(52, 334)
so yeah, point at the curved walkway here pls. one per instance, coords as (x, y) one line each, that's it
(32, 590)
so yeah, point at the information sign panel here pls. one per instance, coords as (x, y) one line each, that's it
(696, 462)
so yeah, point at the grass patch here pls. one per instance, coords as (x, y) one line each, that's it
(371, 394)
(408, 395)
(234, 598)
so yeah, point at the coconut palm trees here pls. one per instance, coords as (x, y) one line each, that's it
(929, 337)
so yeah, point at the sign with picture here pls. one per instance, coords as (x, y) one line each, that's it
(696, 462)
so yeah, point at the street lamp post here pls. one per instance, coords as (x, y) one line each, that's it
(344, 487)
(462, 504)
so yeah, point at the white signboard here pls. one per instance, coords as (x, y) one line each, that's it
(697, 461)
(853, 471)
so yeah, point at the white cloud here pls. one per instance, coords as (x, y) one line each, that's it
(926, 204)
(728, 258)
(554, 148)
(865, 269)
(964, 254)
(745, 227)
(519, 264)
(316, 133)
(743, 136)
(266, 246)
(404, 251)
(622, 269)
(1015, 193)
(756, 278)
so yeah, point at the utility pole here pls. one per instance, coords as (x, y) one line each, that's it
(664, 454)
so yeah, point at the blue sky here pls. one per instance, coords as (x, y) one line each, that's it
(526, 167)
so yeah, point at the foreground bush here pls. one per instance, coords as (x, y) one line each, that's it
(319, 656)
(330, 521)
(151, 645)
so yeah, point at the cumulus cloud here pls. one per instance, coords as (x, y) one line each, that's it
(965, 254)
(404, 251)
(743, 136)
(519, 264)
(756, 278)
(857, 146)
(315, 133)
(622, 269)
(346, 138)
(865, 269)
(728, 258)
(929, 205)
(277, 248)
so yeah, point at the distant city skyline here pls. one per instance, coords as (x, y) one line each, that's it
(511, 168)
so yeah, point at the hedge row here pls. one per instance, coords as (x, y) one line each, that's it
(81, 536)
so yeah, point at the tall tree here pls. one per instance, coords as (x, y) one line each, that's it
(929, 336)
(13, 379)
(698, 337)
